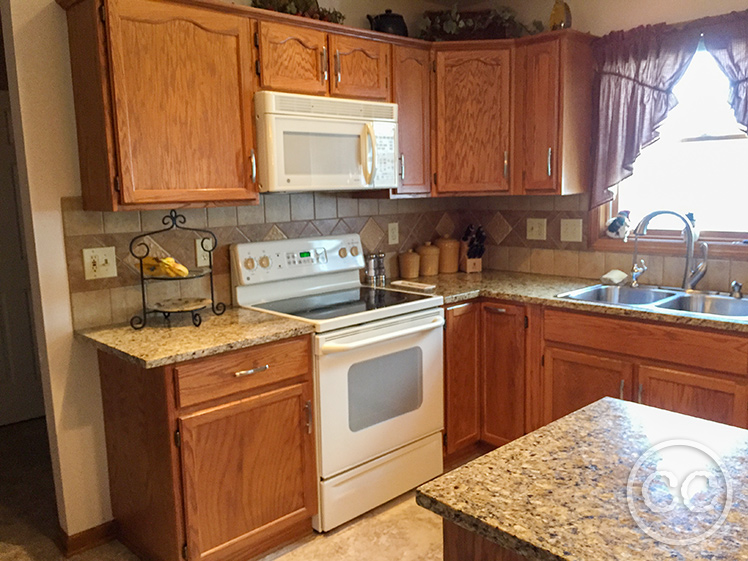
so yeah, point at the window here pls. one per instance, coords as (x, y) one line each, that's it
(698, 163)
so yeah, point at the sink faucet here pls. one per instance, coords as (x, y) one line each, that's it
(736, 289)
(692, 274)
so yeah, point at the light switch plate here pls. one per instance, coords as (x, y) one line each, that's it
(571, 230)
(393, 233)
(202, 257)
(536, 228)
(99, 263)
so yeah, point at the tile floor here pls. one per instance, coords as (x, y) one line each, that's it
(397, 531)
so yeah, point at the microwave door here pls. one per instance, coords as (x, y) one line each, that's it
(315, 155)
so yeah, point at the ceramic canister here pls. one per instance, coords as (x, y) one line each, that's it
(410, 263)
(429, 259)
(449, 253)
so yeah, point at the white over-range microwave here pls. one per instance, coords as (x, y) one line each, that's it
(311, 143)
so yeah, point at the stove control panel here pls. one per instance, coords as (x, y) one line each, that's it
(262, 262)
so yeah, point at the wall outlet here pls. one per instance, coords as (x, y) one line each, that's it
(99, 263)
(202, 257)
(571, 230)
(393, 233)
(536, 228)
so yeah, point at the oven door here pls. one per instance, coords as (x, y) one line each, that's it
(379, 387)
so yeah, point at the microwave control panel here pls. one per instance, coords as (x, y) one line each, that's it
(386, 142)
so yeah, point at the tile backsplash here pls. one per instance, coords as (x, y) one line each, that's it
(115, 300)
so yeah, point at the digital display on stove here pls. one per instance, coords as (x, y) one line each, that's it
(305, 254)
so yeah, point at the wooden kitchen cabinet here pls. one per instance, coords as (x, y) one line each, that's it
(575, 379)
(462, 347)
(552, 114)
(502, 372)
(708, 397)
(308, 61)
(411, 85)
(163, 98)
(212, 459)
(473, 111)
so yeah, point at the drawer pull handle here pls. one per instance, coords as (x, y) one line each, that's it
(251, 371)
(495, 310)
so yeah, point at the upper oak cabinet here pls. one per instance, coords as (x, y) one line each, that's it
(302, 60)
(411, 84)
(473, 111)
(163, 95)
(552, 111)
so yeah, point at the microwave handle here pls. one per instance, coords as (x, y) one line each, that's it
(369, 173)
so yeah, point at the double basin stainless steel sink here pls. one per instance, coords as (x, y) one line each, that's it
(668, 300)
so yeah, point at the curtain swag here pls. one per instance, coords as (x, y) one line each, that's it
(636, 72)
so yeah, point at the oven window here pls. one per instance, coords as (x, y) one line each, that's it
(384, 388)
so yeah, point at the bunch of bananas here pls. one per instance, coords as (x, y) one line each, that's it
(163, 267)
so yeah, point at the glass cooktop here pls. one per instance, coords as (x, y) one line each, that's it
(340, 303)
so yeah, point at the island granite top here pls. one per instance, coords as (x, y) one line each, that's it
(562, 492)
(158, 345)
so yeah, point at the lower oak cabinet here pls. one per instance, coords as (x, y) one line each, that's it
(503, 372)
(212, 459)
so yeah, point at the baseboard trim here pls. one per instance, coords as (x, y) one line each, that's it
(77, 543)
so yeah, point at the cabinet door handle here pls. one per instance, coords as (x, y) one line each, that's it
(324, 64)
(620, 390)
(458, 306)
(550, 154)
(338, 70)
(251, 371)
(495, 310)
(402, 167)
(308, 410)
(506, 164)
(639, 395)
(253, 164)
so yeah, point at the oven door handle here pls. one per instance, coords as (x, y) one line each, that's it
(330, 348)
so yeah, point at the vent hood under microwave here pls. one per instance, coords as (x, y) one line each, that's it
(311, 143)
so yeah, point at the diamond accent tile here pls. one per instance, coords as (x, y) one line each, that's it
(445, 226)
(275, 233)
(498, 228)
(371, 235)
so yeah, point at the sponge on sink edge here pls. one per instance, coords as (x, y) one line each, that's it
(614, 276)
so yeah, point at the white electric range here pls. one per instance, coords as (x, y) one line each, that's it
(378, 367)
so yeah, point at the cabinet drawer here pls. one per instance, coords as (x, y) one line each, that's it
(668, 343)
(215, 377)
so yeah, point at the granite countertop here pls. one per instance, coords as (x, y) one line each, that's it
(566, 491)
(158, 345)
(542, 289)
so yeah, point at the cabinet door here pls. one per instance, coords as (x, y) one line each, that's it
(461, 368)
(537, 116)
(472, 120)
(293, 59)
(360, 68)
(574, 379)
(248, 473)
(716, 399)
(503, 373)
(182, 86)
(411, 84)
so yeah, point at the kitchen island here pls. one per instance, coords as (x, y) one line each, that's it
(590, 487)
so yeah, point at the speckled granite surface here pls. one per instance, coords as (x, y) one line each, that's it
(157, 345)
(560, 492)
(542, 289)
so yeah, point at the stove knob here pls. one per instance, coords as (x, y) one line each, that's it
(264, 261)
(343, 253)
(354, 251)
(249, 263)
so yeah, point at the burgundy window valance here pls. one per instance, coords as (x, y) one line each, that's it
(637, 70)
